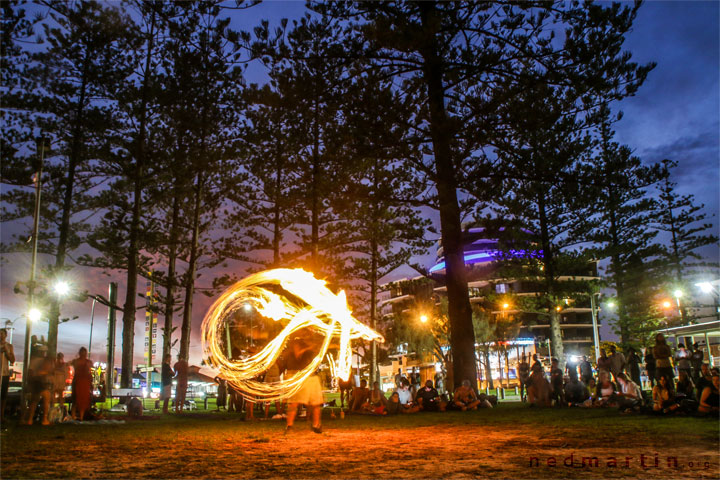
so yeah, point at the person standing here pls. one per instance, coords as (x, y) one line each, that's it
(300, 354)
(523, 377)
(603, 363)
(696, 359)
(7, 357)
(221, 393)
(682, 360)
(82, 384)
(166, 376)
(181, 372)
(633, 366)
(398, 378)
(62, 372)
(617, 361)
(586, 372)
(571, 369)
(650, 366)
(40, 381)
(663, 358)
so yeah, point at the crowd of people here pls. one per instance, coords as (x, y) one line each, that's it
(47, 381)
(678, 382)
(616, 381)
(409, 397)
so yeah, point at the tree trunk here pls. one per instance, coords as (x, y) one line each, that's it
(170, 291)
(549, 269)
(618, 273)
(277, 234)
(488, 369)
(315, 200)
(192, 269)
(64, 230)
(459, 311)
(128, 334)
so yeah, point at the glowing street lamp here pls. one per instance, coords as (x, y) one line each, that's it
(62, 288)
(505, 306)
(34, 315)
(666, 304)
(423, 318)
(611, 305)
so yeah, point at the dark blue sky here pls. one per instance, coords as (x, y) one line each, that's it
(675, 115)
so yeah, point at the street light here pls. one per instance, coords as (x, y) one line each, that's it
(62, 288)
(611, 305)
(423, 318)
(34, 315)
(666, 304)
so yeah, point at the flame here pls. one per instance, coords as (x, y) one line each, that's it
(326, 313)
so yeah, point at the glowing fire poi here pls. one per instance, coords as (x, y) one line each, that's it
(326, 313)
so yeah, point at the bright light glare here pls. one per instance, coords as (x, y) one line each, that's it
(678, 293)
(34, 314)
(247, 307)
(611, 305)
(62, 288)
(423, 318)
(505, 306)
(705, 287)
(666, 304)
(558, 308)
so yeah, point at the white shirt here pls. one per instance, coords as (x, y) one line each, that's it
(404, 396)
(630, 389)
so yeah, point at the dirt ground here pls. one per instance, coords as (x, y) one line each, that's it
(508, 442)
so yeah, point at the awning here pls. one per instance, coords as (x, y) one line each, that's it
(709, 328)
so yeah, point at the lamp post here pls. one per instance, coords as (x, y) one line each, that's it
(594, 312)
(677, 294)
(33, 313)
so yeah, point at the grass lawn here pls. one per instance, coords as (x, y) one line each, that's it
(511, 441)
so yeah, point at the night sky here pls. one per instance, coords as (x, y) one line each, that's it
(675, 115)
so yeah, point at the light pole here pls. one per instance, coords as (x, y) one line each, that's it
(677, 294)
(32, 311)
(594, 311)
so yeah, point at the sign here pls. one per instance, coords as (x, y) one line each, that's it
(151, 321)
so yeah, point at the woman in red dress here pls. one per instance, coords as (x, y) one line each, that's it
(82, 384)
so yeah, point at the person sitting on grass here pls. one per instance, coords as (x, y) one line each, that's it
(404, 399)
(539, 390)
(629, 395)
(377, 403)
(360, 396)
(345, 387)
(605, 391)
(685, 387)
(575, 392)
(704, 381)
(428, 399)
(663, 396)
(465, 397)
(556, 381)
(710, 396)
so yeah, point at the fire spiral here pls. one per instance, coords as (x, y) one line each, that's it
(318, 309)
